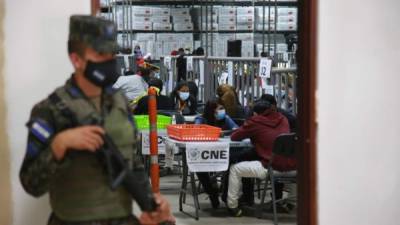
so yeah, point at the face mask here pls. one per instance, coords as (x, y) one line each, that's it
(183, 95)
(102, 74)
(220, 114)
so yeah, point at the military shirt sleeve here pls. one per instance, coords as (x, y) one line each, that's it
(39, 166)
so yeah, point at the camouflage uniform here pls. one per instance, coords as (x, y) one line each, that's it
(78, 185)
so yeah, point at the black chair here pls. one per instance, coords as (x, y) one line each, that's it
(284, 145)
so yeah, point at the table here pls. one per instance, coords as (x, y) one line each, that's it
(182, 147)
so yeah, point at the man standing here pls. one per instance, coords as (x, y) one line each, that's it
(62, 156)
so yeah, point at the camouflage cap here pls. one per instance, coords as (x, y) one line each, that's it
(97, 33)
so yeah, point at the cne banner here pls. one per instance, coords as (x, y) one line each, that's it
(207, 156)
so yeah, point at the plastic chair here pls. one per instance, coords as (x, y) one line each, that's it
(284, 145)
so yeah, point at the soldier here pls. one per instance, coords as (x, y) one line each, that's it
(62, 155)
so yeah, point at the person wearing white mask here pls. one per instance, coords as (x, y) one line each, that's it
(184, 103)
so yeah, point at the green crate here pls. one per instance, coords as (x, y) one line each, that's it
(142, 121)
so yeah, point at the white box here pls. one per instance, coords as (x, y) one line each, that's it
(186, 37)
(287, 11)
(245, 11)
(141, 19)
(181, 19)
(180, 12)
(166, 37)
(227, 19)
(247, 27)
(259, 27)
(140, 11)
(142, 26)
(247, 48)
(287, 19)
(160, 19)
(245, 19)
(286, 26)
(183, 26)
(145, 37)
(156, 11)
(227, 11)
(123, 40)
(259, 11)
(162, 26)
(227, 27)
(245, 36)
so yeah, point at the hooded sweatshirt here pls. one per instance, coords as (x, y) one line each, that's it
(262, 130)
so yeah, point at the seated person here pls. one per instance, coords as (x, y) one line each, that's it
(183, 101)
(262, 129)
(163, 102)
(214, 115)
(289, 116)
(229, 98)
(134, 86)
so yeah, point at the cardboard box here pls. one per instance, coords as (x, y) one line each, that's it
(180, 12)
(156, 11)
(245, 36)
(181, 19)
(183, 26)
(247, 48)
(145, 36)
(245, 11)
(226, 11)
(142, 26)
(247, 27)
(141, 19)
(227, 27)
(162, 26)
(287, 19)
(140, 11)
(160, 19)
(227, 19)
(245, 19)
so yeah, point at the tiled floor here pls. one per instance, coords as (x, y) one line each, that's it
(170, 186)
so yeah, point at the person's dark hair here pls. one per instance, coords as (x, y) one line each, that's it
(144, 71)
(260, 106)
(269, 98)
(77, 47)
(209, 111)
(264, 54)
(200, 51)
(155, 82)
(193, 89)
(175, 96)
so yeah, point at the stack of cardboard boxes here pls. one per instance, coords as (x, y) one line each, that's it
(286, 18)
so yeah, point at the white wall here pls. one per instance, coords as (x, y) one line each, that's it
(36, 62)
(358, 112)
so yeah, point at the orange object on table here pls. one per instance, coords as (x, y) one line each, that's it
(193, 132)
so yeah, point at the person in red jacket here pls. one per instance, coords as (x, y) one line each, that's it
(262, 129)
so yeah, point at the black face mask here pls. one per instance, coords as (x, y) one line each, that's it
(102, 74)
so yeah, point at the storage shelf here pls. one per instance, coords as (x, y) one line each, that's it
(286, 32)
(198, 3)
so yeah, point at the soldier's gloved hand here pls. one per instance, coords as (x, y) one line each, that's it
(81, 138)
(162, 214)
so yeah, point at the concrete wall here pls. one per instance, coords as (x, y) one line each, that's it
(358, 112)
(36, 62)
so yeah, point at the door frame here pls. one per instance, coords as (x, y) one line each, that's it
(307, 213)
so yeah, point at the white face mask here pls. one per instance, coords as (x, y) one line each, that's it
(183, 95)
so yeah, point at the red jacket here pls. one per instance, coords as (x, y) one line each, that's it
(262, 131)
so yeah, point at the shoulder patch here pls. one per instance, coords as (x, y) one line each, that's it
(41, 130)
